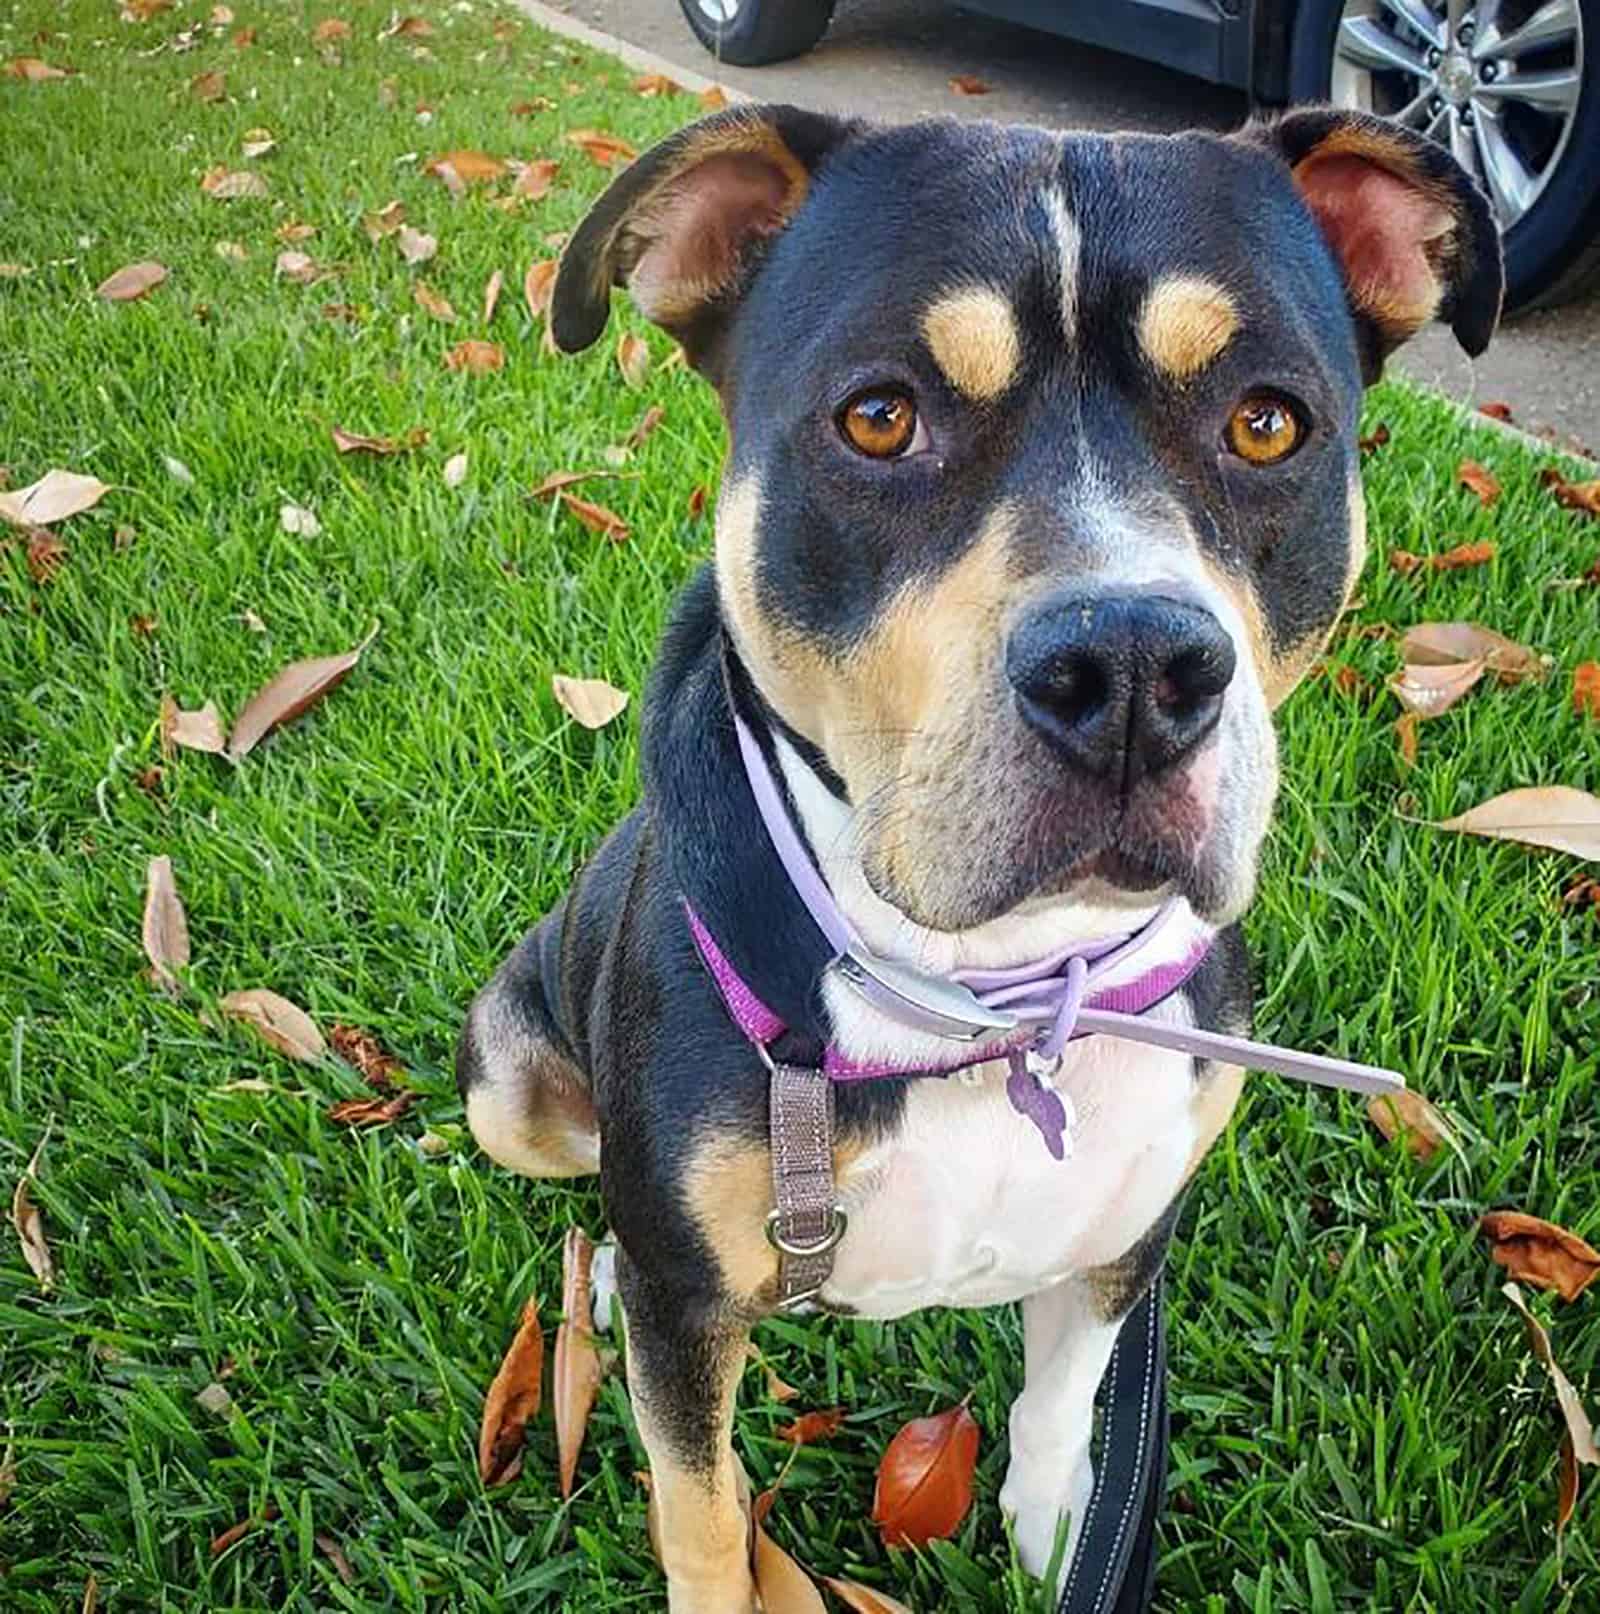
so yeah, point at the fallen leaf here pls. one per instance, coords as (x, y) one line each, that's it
(278, 1022)
(1554, 817)
(1495, 411)
(223, 186)
(386, 221)
(925, 1479)
(468, 167)
(864, 1599)
(1567, 1490)
(233, 251)
(299, 685)
(33, 69)
(1443, 643)
(557, 480)
(348, 312)
(355, 443)
(236, 1532)
(526, 109)
(652, 84)
(1404, 562)
(295, 518)
(91, 1595)
(577, 1363)
(29, 1223)
(811, 1427)
(713, 98)
(697, 501)
(602, 148)
(1375, 440)
(968, 84)
(648, 421)
(491, 295)
(1480, 480)
(415, 247)
(512, 1402)
(534, 180)
(1577, 1420)
(56, 496)
(299, 268)
(782, 1586)
(1586, 689)
(455, 470)
(1405, 729)
(221, 16)
(208, 86)
(633, 359)
(361, 1050)
(243, 39)
(165, 931)
(334, 1553)
(431, 302)
(294, 232)
(596, 517)
(475, 357)
(329, 30)
(589, 701)
(1426, 691)
(538, 284)
(1582, 894)
(1540, 1253)
(1584, 496)
(372, 1111)
(45, 555)
(1409, 1115)
(776, 1388)
(195, 731)
(132, 281)
(409, 28)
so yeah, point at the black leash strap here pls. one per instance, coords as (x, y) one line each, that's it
(1113, 1571)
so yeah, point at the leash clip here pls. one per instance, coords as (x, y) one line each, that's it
(922, 1002)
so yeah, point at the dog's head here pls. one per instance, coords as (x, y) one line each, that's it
(1043, 485)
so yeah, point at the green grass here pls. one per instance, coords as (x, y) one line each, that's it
(1365, 1432)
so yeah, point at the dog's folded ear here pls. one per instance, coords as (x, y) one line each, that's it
(1414, 236)
(679, 228)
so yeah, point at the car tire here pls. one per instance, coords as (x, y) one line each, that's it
(1553, 250)
(752, 33)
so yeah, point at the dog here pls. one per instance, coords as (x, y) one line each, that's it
(1042, 493)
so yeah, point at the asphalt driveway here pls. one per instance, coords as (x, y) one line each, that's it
(895, 58)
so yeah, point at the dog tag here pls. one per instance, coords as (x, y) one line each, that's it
(1041, 1105)
(923, 1002)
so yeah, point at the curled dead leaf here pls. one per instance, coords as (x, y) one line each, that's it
(330, 30)
(1586, 689)
(1408, 1115)
(210, 86)
(1577, 1420)
(1443, 643)
(1375, 440)
(475, 357)
(415, 246)
(385, 222)
(132, 281)
(534, 179)
(589, 701)
(713, 98)
(432, 303)
(298, 267)
(1539, 1252)
(811, 1427)
(257, 143)
(653, 84)
(45, 555)
(233, 251)
(28, 1222)
(361, 1050)
(278, 1022)
(195, 731)
(236, 1532)
(512, 1402)
(864, 1599)
(294, 231)
(1495, 411)
(32, 69)
(648, 421)
(355, 443)
(924, 1484)
(56, 496)
(600, 147)
(467, 167)
(1567, 1493)
(165, 930)
(968, 84)
(1554, 817)
(359, 1112)
(409, 28)
(697, 501)
(577, 1363)
(1581, 496)
(1405, 731)
(538, 284)
(223, 186)
(1426, 691)
(335, 1554)
(1478, 479)
(598, 519)
(491, 295)
(782, 1586)
(289, 693)
(633, 359)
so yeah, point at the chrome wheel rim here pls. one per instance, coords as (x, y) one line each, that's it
(719, 13)
(1496, 81)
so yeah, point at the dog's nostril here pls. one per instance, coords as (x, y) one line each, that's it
(1195, 676)
(1079, 689)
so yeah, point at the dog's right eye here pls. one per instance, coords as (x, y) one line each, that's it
(880, 423)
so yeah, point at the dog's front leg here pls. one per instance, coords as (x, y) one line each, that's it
(684, 1361)
(1067, 1342)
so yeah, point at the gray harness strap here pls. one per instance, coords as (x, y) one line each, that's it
(808, 1223)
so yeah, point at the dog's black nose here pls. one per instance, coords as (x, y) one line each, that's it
(1123, 685)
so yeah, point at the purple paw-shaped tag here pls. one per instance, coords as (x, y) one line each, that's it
(1030, 1097)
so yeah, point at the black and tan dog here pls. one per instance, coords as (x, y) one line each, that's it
(1042, 493)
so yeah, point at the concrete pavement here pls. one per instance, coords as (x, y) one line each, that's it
(894, 59)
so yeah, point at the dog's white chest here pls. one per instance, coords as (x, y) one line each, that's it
(967, 1207)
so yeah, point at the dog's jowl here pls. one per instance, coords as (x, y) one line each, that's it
(1042, 492)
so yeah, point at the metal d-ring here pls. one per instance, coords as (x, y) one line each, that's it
(829, 1240)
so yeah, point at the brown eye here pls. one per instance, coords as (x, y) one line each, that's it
(879, 423)
(1264, 430)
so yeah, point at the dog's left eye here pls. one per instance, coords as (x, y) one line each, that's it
(881, 423)
(1264, 429)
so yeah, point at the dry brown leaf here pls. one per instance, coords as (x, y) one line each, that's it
(1441, 643)
(535, 179)
(288, 693)
(233, 251)
(538, 284)
(195, 731)
(652, 84)
(512, 1402)
(1582, 496)
(1373, 442)
(1405, 730)
(298, 267)
(355, 443)
(1554, 817)
(1426, 691)
(968, 84)
(223, 186)
(348, 312)
(924, 1484)
(1463, 555)
(294, 232)
(278, 1022)
(596, 517)
(468, 167)
(526, 109)
(811, 1427)
(415, 246)
(372, 1111)
(589, 701)
(409, 28)
(1495, 411)
(33, 69)
(386, 221)
(132, 281)
(45, 555)
(257, 143)
(243, 39)
(776, 1388)
(210, 86)
(864, 1599)
(1409, 1115)
(1567, 1491)
(1586, 689)
(577, 1363)
(56, 496)
(235, 1532)
(648, 421)
(1540, 1253)
(782, 1586)
(334, 1553)
(602, 148)
(491, 295)
(366, 1054)
(25, 1218)
(633, 359)
(431, 302)
(1480, 480)
(713, 98)
(475, 357)
(697, 501)
(165, 930)
(330, 30)
(455, 470)
(1577, 1420)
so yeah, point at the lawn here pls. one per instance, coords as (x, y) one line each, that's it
(1358, 1422)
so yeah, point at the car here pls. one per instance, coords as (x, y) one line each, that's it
(1512, 87)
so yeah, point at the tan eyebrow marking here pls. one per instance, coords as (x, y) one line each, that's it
(1069, 244)
(1185, 323)
(972, 334)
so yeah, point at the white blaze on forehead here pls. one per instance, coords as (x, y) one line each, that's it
(972, 334)
(1069, 245)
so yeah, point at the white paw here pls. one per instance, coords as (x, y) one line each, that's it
(1036, 1505)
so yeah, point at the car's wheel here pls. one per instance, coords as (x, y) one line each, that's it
(751, 33)
(1512, 87)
